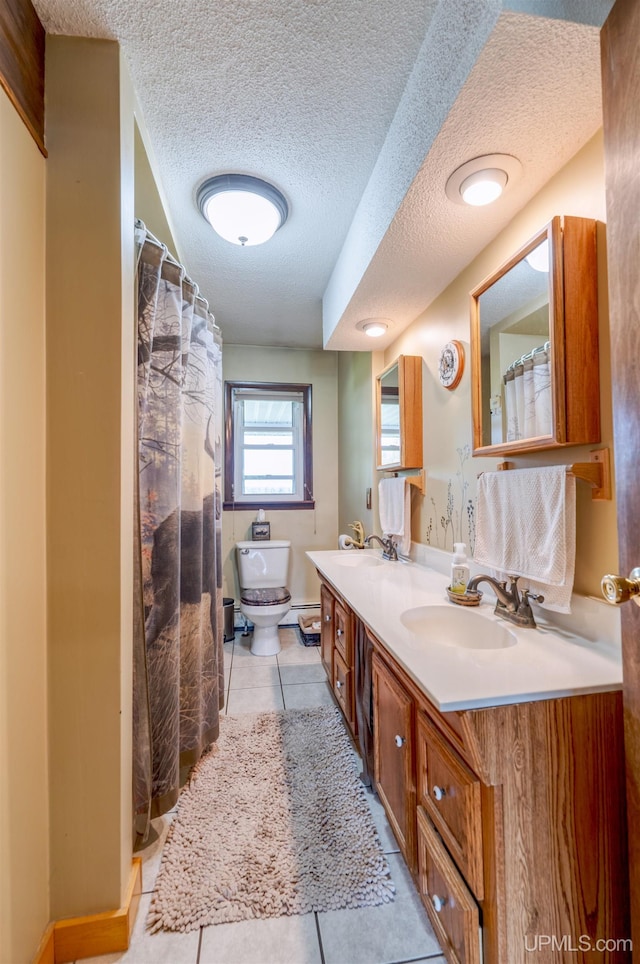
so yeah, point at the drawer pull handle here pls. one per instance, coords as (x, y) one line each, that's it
(338, 684)
(438, 903)
(338, 632)
(400, 740)
(439, 792)
(327, 618)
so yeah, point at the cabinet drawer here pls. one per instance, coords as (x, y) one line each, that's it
(343, 632)
(450, 905)
(343, 687)
(450, 794)
(451, 727)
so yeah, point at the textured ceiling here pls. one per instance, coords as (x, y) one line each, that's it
(352, 108)
(549, 108)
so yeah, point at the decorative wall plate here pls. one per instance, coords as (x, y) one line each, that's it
(451, 364)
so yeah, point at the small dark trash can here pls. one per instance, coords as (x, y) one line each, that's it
(227, 608)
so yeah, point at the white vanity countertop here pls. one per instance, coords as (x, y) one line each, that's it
(545, 663)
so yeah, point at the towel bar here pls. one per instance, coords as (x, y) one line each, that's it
(597, 473)
(415, 480)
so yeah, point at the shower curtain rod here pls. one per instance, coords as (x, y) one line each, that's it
(140, 225)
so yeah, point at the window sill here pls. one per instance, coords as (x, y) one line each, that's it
(253, 506)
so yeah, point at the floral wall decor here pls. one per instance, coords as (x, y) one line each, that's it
(457, 523)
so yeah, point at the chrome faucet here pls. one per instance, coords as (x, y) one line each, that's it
(389, 550)
(510, 605)
(357, 539)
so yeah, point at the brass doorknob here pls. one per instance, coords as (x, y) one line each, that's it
(617, 589)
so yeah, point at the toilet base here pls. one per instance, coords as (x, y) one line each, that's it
(265, 619)
(266, 640)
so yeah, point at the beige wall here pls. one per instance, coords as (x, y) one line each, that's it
(148, 205)
(576, 190)
(307, 528)
(24, 794)
(78, 824)
(90, 419)
(356, 439)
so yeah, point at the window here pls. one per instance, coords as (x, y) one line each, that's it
(268, 446)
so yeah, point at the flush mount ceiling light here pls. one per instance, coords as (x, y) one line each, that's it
(374, 327)
(242, 209)
(482, 180)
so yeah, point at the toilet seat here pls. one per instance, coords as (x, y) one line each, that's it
(265, 597)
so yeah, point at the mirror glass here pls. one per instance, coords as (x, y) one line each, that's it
(399, 414)
(390, 417)
(515, 340)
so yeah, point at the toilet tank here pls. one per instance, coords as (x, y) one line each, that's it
(263, 565)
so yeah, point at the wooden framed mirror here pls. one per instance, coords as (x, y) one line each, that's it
(399, 414)
(534, 345)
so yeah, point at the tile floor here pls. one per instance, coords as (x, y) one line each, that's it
(396, 933)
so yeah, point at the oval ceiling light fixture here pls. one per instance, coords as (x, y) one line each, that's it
(484, 187)
(374, 327)
(242, 209)
(483, 179)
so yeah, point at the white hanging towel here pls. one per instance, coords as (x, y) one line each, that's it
(526, 526)
(394, 508)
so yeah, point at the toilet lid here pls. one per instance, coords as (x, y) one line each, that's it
(265, 597)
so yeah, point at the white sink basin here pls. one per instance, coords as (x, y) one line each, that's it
(356, 558)
(450, 626)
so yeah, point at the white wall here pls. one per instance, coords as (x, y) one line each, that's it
(307, 528)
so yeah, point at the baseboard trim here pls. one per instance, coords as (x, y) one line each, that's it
(77, 937)
(46, 951)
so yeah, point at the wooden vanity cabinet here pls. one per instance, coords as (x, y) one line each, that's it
(394, 756)
(511, 818)
(337, 651)
(518, 813)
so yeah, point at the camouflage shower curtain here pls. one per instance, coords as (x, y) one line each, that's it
(178, 626)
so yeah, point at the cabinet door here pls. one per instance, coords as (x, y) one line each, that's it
(394, 757)
(326, 632)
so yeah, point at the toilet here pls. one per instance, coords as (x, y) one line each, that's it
(264, 597)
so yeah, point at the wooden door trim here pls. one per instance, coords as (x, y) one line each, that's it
(620, 51)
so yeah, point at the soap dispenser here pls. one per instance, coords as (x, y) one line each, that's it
(459, 568)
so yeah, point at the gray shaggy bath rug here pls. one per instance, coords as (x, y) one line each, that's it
(274, 821)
